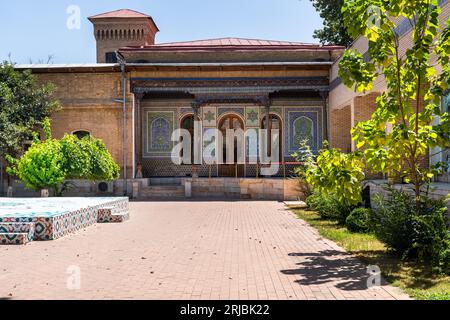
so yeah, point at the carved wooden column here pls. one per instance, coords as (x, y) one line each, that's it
(326, 111)
(138, 133)
(196, 139)
(268, 123)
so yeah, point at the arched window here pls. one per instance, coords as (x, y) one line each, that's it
(81, 134)
(274, 124)
(187, 123)
(304, 131)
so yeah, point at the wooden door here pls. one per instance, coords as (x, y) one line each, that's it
(230, 122)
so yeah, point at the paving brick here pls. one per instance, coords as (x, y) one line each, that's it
(191, 250)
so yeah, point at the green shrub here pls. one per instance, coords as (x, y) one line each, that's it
(414, 231)
(329, 207)
(392, 221)
(359, 220)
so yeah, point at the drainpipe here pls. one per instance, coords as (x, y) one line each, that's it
(123, 63)
(1, 176)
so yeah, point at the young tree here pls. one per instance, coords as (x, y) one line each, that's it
(23, 107)
(399, 134)
(334, 31)
(337, 173)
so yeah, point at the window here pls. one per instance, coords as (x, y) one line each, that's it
(81, 134)
(230, 122)
(29, 141)
(187, 123)
(274, 124)
(111, 57)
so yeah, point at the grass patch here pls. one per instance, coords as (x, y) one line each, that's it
(414, 278)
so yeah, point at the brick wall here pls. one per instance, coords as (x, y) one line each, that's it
(87, 101)
(340, 126)
(364, 107)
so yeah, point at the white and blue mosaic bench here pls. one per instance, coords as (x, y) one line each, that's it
(41, 219)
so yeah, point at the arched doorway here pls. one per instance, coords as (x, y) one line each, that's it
(187, 123)
(274, 124)
(231, 122)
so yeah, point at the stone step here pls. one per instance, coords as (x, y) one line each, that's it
(161, 192)
(164, 188)
(164, 182)
(15, 238)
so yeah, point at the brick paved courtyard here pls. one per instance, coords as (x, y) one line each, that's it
(190, 250)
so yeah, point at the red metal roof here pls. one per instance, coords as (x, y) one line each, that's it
(231, 44)
(121, 13)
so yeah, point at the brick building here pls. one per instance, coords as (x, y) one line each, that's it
(226, 83)
(139, 91)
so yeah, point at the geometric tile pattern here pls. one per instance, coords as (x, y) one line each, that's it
(252, 116)
(302, 122)
(158, 128)
(51, 227)
(209, 116)
(237, 110)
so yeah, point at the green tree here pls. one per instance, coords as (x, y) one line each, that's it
(41, 167)
(399, 134)
(24, 104)
(334, 31)
(49, 163)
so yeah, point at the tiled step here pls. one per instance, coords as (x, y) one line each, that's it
(16, 227)
(112, 215)
(14, 238)
(16, 233)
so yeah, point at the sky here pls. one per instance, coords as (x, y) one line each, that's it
(32, 30)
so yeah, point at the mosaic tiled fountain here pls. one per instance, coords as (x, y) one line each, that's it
(26, 219)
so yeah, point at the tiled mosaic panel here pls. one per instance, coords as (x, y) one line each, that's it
(252, 116)
(209, 117)
(303, 123)
(158, 128)
(165, 168)
(72, 222)
(185, 111)
(225, 110)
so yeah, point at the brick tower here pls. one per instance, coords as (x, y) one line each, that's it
(121, 28)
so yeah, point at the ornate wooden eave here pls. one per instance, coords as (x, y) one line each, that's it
(227, 86)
